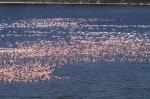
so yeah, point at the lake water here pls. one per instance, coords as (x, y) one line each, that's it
(74, 52)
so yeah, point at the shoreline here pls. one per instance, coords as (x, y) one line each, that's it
(59, 3)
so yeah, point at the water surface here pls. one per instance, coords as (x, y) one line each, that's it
(74, 52)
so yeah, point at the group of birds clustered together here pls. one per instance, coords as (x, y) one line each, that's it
(33, 61)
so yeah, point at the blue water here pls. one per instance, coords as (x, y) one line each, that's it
(87, 80)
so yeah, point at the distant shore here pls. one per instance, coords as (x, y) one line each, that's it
(74, 3)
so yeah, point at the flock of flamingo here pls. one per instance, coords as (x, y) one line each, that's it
(33, 61)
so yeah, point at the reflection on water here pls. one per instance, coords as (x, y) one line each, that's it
(33, 48)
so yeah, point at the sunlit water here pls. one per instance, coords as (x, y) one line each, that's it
(74, 52)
